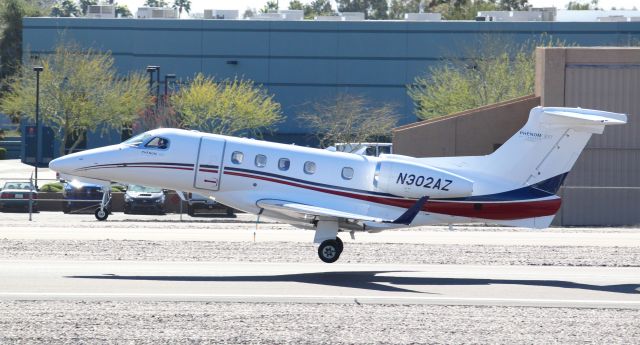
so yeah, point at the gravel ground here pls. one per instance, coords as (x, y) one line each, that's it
(63, 322)
(299, 252)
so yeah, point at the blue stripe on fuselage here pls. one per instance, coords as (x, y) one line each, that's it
(542, 189)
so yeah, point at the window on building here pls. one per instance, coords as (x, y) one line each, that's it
(347, 173)
(158, 143)
(284, 164)
(261, 161)
(236, 157)
(309, 167)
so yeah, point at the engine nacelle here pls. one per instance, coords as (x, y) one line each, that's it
(413, 180)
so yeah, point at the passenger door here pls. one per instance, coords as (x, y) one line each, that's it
(209, 167)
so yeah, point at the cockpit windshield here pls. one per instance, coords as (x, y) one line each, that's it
(158, 143)
(137, 140)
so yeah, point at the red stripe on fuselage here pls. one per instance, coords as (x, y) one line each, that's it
(483, 210)
(137, 166)
(208, 170)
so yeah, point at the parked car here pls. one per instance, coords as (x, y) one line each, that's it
(141, 199)
(200, 205)
(81, 197)
(15, 196)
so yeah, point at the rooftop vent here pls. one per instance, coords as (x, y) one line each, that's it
(352, 16)
(516, 16)
(292, 14)
(221, 14)
(423, 17)
(101, 11)
(268, 16)
(328, 18)
(157, 12)
(612, 19)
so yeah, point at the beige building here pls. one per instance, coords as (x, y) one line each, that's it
(604, 186)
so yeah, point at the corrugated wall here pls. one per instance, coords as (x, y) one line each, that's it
(470, 133)
(603, 188)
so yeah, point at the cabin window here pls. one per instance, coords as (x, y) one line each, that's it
(284, 164)
(236, 157)
(309, 167)
(158, 143)
(347, 173)
(261, 161)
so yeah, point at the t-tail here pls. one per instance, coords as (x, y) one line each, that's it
(549, 144)
(533, 163)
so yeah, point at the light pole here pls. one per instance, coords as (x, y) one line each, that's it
(150, 70)
(166, 84)
(37, 69)
(157, 86)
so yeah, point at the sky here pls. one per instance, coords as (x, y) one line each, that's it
(200, 5)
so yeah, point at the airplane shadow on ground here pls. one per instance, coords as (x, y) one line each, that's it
(372, 280)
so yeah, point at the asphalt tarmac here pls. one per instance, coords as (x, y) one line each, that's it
(592, 287)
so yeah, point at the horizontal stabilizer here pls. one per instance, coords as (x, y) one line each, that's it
(587, 116)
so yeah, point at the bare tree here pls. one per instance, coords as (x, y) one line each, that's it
(349, 119)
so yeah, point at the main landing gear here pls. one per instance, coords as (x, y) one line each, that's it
(102, 212)
(329, 250)
(330, 245)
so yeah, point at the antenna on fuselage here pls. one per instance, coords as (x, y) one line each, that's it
(257, 222)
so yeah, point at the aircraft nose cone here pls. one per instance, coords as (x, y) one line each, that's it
(61, 165)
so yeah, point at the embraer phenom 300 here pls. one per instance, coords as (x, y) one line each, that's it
(331, 192)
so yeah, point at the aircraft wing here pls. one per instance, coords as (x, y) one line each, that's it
(298, 210)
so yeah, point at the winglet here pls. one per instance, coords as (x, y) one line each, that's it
(407, 217)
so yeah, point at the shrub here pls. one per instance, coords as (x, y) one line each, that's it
(3, 153)
(55, 187)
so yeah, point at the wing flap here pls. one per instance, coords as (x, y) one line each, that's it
(309, 211)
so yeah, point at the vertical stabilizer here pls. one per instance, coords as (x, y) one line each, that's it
(549, 144)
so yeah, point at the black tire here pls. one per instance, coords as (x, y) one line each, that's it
(340, 245)
(101, 214)
(191, 211)
(65, 208)
(329, 251)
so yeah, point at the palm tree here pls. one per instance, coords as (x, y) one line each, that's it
(182, 5)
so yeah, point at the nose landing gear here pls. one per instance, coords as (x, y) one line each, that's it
(102, 212)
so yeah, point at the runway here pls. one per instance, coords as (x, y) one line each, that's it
(584, 287)
(159, 280)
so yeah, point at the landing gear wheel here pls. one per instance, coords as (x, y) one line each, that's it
(329, 251)
(102, 214)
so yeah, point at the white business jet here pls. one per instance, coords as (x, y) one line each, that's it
(331, 192)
